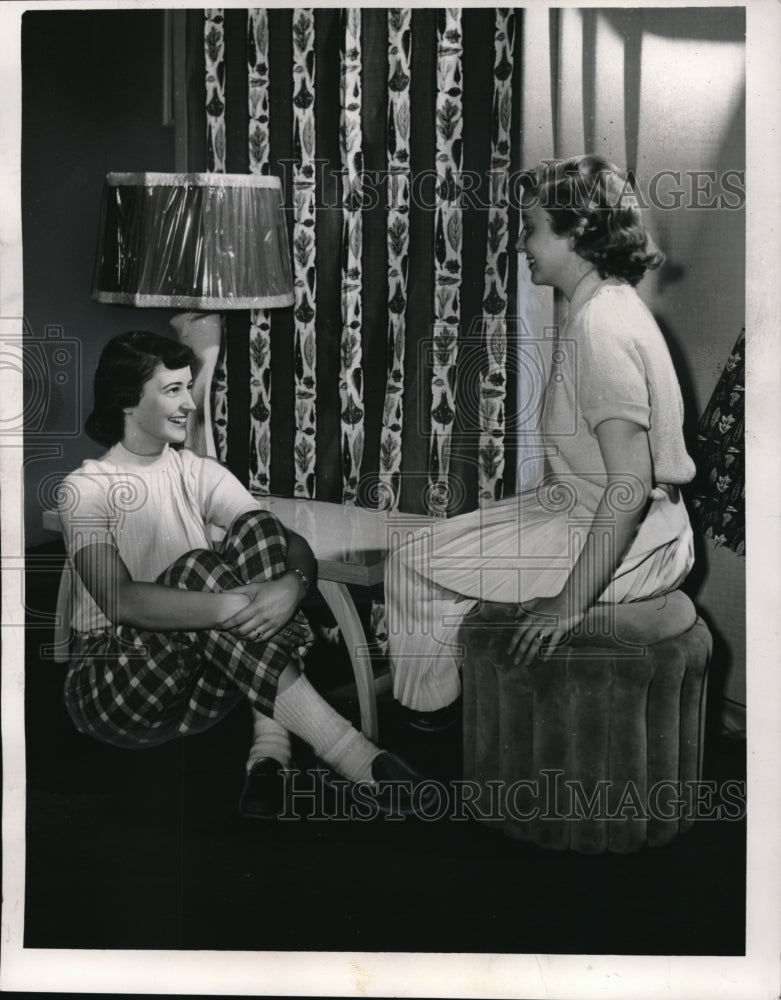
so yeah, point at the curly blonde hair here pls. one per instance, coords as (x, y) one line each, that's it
(593, 202)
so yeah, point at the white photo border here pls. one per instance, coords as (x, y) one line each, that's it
(755, 976)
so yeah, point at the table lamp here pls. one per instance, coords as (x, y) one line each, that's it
(201, 243)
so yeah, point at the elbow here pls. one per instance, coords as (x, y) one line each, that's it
(629, 493)
(299, 547)
(128, 608)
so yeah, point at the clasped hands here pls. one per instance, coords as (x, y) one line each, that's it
(268, 613)
(544, 624)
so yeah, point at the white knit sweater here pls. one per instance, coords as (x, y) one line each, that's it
(151, 509)
(611, 361)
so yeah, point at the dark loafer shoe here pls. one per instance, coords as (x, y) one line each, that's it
(396, 788)
(393, 791)
(265, 790)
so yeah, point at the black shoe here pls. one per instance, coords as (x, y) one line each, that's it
(433, 722)
(396, 788)
(393, 790)
(265, 790)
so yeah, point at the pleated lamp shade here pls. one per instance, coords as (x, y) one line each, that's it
(193, 241)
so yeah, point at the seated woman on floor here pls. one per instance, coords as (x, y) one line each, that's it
(171, 633)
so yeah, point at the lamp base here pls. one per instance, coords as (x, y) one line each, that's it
(202, 333)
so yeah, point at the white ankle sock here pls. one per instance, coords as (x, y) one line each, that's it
(301, 710)
(269, 739)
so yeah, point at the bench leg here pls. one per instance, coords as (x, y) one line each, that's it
(338, 598)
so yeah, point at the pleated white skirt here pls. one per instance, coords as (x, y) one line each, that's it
(511, 551)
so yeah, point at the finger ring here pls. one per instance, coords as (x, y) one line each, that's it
(258, 632)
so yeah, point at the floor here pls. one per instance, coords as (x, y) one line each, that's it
(145, 850)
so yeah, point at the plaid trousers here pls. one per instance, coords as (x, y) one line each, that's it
(134, 688)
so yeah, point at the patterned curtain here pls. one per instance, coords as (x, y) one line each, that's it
(214, 96)
(719, 503)
(394, 133)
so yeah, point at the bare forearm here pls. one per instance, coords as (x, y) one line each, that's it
(158, 608)
(606, 542)
(627, 456)
(547, 620)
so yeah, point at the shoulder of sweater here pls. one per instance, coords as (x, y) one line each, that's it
(196, 464)
(92, 467)
(617, 309)
(609, 297)
(202, 471)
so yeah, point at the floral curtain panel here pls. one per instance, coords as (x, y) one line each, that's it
(393, 133)
(719, 503)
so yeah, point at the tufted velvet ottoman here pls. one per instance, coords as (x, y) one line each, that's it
(600, 748)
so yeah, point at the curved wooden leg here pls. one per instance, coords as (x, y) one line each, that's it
(339, 600)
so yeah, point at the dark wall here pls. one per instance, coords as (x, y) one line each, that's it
(92, 101)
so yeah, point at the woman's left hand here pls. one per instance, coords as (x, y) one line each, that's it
(544, 625)
(271, 606)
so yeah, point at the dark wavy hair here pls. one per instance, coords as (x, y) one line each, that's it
(126, 363)
(593, 202)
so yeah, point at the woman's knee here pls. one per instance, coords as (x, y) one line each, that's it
(199, 569)
(259, 522)
(256, 544)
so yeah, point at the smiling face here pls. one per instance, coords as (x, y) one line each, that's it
(160, 416)
(551, 258)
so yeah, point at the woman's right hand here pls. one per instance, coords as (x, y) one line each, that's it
(288, 633)
(270, 606)
(230, 604)
(544, 625)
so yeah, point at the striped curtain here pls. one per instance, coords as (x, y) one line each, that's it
(214, 96)
(395, 133)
